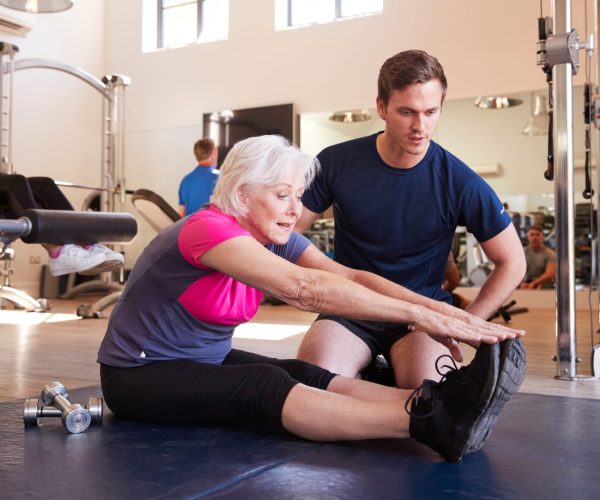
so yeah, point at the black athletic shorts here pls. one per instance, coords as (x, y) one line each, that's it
(379, 336)
(245, 386)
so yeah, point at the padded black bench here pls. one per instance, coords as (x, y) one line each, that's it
(62, 227)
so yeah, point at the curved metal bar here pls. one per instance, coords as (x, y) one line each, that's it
(23, 299)
(65, 68)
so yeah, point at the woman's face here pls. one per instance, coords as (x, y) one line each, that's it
(274, 210)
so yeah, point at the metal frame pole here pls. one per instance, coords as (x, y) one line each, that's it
(564, 202)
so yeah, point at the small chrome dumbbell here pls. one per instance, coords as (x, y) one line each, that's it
(74, 417)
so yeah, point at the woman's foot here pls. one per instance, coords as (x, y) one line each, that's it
(457, 415)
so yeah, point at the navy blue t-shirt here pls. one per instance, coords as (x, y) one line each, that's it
(399, 223)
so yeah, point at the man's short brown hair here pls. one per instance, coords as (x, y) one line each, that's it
(204, 148)
(536, 227)
(407, 68)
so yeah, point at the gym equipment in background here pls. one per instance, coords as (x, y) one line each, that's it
(112, 192)
(557, 51)
(61, 226)
(321, 233)
(154, 209)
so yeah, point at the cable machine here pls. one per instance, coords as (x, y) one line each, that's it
(558, 55)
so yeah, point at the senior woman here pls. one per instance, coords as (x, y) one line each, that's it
(167, 355)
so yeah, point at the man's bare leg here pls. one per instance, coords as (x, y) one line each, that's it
(413, 358)
(333, 347)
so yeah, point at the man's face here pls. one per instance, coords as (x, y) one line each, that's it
(535, 239)
(411, 116)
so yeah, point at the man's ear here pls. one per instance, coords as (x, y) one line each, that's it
(380, 108)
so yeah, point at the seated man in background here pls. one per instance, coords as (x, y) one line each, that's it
(23, 193)
(541, 261)
(197, 186)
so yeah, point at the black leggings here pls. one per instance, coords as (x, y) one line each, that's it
(31, 192)
(245, 386)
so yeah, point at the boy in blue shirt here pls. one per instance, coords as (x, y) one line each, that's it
(196, 187)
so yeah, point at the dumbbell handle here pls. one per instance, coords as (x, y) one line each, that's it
(93, 406)
(63, 403)
(48, 411)
(51, 411)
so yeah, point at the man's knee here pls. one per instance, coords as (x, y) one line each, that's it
(414, 359)
(333, 347)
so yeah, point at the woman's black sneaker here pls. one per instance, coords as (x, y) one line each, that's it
(445, 414)
(510, 378)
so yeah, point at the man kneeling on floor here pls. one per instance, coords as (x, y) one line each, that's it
(167, 355)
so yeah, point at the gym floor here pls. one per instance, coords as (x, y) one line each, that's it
(543, 446)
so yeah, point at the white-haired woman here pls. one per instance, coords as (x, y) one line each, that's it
(167, 354)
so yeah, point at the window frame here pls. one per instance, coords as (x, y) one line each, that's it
(159, 21)
(337, 14)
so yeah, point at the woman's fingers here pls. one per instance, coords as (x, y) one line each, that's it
(476, 320)
(449, 330)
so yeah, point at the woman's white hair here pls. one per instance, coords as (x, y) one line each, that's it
(257, 162)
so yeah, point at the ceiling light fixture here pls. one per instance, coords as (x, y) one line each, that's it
(37, 6)
(351, 116)
(497, 102)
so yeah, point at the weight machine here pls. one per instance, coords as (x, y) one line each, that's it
(112, 190)
(558, 55)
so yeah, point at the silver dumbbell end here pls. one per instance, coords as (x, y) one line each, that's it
(77, 419)
(52, 390)
(30, 412)
(96, 408)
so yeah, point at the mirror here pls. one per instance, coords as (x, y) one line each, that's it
(488, 140)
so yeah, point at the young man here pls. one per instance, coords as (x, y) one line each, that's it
(541, 261)
(397, 199)
(197, 186)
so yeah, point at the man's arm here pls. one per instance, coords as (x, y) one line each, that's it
(181, 210)
(313, 258)
(506, 252)
(306, 220)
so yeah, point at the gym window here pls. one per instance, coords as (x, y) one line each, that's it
(169, 24)
(296, 13)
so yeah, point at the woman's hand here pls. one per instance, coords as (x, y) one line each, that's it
(460, 326)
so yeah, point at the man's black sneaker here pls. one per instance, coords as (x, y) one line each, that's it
(379, 372)
(510, 378)
(444, 414)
